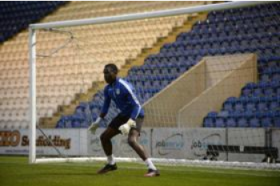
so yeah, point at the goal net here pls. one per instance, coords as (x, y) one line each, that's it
(206, 75)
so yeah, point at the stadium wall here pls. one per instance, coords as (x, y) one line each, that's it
(224, 78)
(191, 143)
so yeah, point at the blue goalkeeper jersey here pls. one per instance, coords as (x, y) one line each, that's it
(122, 93)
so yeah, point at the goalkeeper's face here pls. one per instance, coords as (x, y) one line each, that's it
(109, 75)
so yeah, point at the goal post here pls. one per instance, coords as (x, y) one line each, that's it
(35, 29)
(32, 93)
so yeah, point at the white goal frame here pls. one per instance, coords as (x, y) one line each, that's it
(102, 20)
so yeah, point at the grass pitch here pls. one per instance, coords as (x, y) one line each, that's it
(15, 171)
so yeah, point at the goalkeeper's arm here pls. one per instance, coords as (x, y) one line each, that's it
(94, 125)
(103, 113)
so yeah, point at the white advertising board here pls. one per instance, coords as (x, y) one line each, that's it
(68, 141)
(242, 137)
(185, 143)
(119, 143)
(276, 140)
(158, 142)
(198, 141)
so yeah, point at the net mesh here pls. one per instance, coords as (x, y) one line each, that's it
(212, 94)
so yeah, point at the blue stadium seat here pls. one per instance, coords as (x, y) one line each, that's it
(265, 77)
(156, 71)
(231, 122)
(230, 103)
(266, 122)
(278, 91)
(148, 85)
(228, 106)
(251, 106)
(21, 15)
(269, 92)
(239, 106)
(275, 76)
(246, 91)
(156, 83)
(209, 122)
(262, 106)
(257, 92)
(68, 122)
(220, 122)
(147, 96)
(235, 114)
(273, 106)
(78, 121)
(276, 121)
(60, 124)
(223, 113)
(242, 122)
(254, 122)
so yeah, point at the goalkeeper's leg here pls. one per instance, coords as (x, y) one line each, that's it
(106, 137)
(133, 137)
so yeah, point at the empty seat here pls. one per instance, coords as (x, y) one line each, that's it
(220, 122)
(266, 122)
(254, 122)
(242, 122)
(231, 122)
(239, 106)
(273, 106)
(276, 121)
(262, 106)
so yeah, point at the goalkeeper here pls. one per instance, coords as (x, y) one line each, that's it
(128, 122)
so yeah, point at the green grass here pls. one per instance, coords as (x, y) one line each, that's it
(16, 171)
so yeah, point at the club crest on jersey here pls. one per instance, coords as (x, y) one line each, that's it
(118, 91)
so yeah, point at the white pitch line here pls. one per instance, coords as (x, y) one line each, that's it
(165, 167)
(220, 171)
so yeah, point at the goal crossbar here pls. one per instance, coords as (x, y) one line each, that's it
(146, 15)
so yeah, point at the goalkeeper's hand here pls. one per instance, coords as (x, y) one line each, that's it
(125, 128)
(92, 128)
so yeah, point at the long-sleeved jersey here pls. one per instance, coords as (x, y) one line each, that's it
(122, 93)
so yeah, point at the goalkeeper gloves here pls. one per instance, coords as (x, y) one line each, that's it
(92, 128)
(125, 128)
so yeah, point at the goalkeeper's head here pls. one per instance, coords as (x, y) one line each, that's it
(110, 73)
